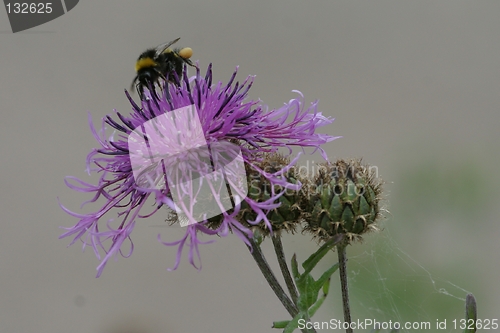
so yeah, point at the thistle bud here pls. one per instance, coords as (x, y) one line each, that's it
(260, 188)
(343, 198)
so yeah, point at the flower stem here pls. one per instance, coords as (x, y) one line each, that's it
(280, 254)
(341, 250)
(261, 261)
(259, 258)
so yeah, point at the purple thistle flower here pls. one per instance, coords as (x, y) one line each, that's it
(225, 115)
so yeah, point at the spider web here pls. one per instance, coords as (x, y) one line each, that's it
(386, 284)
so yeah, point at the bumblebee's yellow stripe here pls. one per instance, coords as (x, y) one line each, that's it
(143, 63)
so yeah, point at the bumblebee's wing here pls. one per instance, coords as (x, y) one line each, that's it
(161, 48)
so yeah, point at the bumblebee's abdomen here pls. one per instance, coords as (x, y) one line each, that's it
(143, 63)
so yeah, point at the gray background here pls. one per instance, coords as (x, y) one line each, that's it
(414, 87)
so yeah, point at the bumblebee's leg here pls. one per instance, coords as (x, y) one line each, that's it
(175, 78)
(140, 91)
(190, 63)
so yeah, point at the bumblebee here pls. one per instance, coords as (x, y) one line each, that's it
(158, 63)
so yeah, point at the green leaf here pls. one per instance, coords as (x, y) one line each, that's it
(280, 324)
(319, 302)
(288, 325)
(470, 313)
(326, 277)
(295, 269)
(309, 300)
(314, 258)
(307, 292)
(293, 324)
(308, 288)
